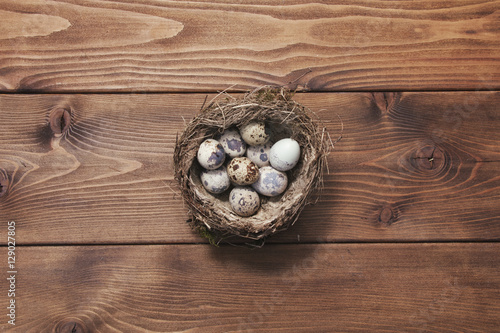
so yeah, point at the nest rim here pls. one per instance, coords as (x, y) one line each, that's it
(210, 214)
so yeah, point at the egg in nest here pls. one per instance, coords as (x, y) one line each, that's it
(242, 171)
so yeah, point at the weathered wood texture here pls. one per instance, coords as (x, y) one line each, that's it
(122, 45)
(411, 167)
(292, 288)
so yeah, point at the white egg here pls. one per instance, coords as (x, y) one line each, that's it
(271, 182)
(284, 154)
(255, 133)
(259, 154)
(244, 201)
(242, 171)
(215, 181)
(211, 154)
(232, 142)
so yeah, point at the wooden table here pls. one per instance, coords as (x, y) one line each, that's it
(404, 239)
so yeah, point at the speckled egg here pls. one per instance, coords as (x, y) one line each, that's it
(259, 154)
(242, 171)
(255, 133)
(271, 182)
(215, 181)
(245, 201)
(232, 142)
(211, 154)
(284, 154)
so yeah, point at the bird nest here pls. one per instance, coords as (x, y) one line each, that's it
(210, 214)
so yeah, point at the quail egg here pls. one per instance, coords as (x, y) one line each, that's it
(259, 154)
(284, 154)
(215, 181)
(211, 154)
(232, 142)
(244, 200)
(255, 133)
(242, 171)
(271, 182)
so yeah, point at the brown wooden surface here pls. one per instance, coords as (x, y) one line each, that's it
(153, 45)
(404, 238)
(109, 179)
(305, 288)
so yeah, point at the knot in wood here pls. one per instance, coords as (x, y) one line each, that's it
(4, 183)
(71, 326)
(386, 216)
(429, 157)
(385, 101)
(59, 120)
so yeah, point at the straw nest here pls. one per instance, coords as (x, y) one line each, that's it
(211, 215)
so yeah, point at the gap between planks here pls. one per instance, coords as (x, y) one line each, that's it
(242, 245)
(236, 91)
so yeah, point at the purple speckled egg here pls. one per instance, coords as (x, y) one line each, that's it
(244, 200)
(259, 154)
(271, 182)
(211, 154)
(232, 142)
(215, 181)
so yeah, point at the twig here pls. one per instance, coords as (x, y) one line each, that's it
(221, 93)
(341, 132)
(203, 105)
(309, 70)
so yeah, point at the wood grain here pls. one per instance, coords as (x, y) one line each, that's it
(123, 45)
(279, 288)
(410, 167)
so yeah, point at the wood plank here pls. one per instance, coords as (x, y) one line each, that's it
(292, 288)
(360, 45)
(382, 185)
(109, 179)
